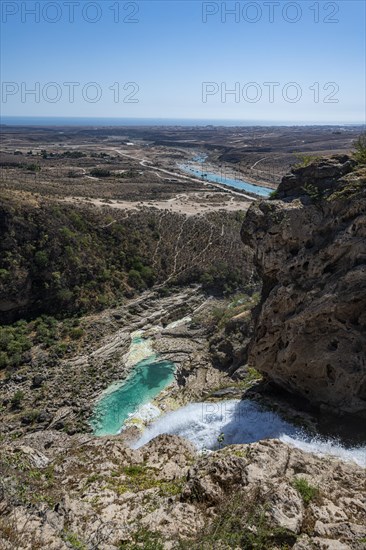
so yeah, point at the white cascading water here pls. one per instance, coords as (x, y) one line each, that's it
(324, 447)
(241, 422)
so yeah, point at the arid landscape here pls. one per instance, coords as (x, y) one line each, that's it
(182, 275)
(117, 265)
(150, 156)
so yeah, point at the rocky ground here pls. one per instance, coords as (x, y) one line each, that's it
(84, 492)
(60, 490)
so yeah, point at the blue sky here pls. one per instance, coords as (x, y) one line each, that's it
(168, 54)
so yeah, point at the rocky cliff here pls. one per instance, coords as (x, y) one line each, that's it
(310, 248)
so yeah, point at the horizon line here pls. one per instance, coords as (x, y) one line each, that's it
(172, 120)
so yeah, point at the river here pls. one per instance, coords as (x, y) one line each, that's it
(191, 168)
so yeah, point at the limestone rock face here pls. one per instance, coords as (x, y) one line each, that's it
(98, 493)
(310, 249)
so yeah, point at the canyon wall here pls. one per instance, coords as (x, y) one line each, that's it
(57, 257)
(310, 249)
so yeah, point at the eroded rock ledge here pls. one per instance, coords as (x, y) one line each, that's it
(310, 249)
(99, 494)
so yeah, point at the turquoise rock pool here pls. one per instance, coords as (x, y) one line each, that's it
(148, 377)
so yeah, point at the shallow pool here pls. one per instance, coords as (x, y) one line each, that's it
(148, 378)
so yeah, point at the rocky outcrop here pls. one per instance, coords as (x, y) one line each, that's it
(272, 476)
(310, 249)
(324, 175)
(97, 493)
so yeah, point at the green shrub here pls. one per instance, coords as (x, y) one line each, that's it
(73, 154)
(74, 541)
(14, 341)
(305, 160)
(4, 360)
(307, 491)
(144, 538)
(65, 295)
(147, 274)
(66, 233)
(221, 278)
(135, 470)
(41, 259)
(31, 416)
(4, 275)
(274, 194)
(16, 400)
(59, 350)
(135, 280)
(313, 192)
(33, 168)
(100, 173)
(76, 333)
(360, 149)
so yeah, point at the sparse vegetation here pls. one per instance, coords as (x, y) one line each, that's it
(308, 492)
(360, 149)
(140, 477)
(72, 154)
(17, 339)
(241, 523)
(74, 541)
(352, 188)
(17, 399)
(233, 307)
(100, 173)
(305, 160)
(313, 192)
(144, 538)
(34, 168)
(274, 194)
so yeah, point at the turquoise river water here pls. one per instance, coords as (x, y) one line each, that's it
(219, 178)
(147, 379)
